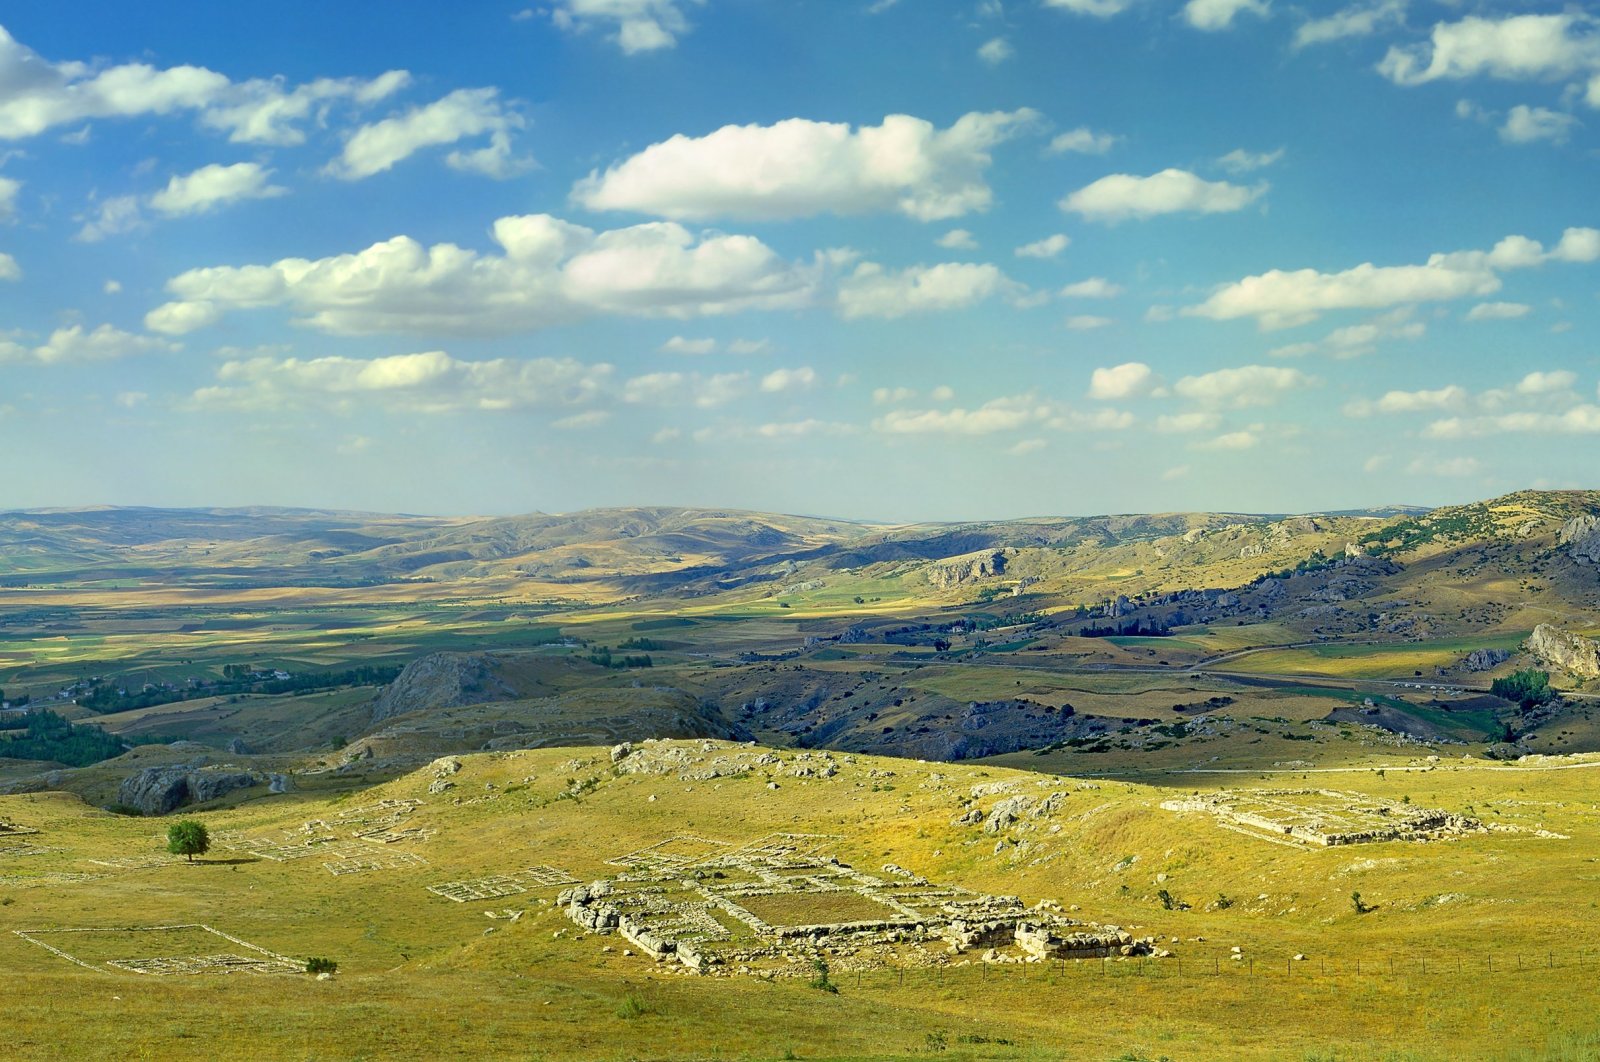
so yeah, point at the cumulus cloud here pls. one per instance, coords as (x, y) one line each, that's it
(212, 186)
(1498, 311)
(1283, 298)
(1185, 423)
(76, 344)
(872, 291)
(550, 272)
(1048, 247)
(1000, 414)
(1116, 383)
(40, 95)
(1247, 385)
(800, 428)
(681, 389)
(1518, 47)
(1233, 440)
(115, 216)
(1241, 161)
(1359, 21)
(464, 113)
(9, 269)
(1121, 196)
(1527, 125)
(1450, 397)
(9, 187)
(1546, 383)
(428, 382)
(1093, 288)
(957, 240)
(1082, 141)
(1578, 420)
(1213, 15)
(633, 25)
(996, 51)
(1088, 322)
(780, 380)
(798, 168)
(1097, 8)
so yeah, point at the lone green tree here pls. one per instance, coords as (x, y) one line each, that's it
(188, 837)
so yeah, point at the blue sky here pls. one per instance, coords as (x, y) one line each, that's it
(885, 260)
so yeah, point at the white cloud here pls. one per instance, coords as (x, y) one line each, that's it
(958, 240)
(1048, 247)
(117, 215)
(40, 95)
(1361, 21)
(1132, 379)
(1171, 191)
(112, 287)
(1520, 47)
(680, 345)
(1247, 385)
(1086, 322)
(464, 113)
(1498, 311)
(1281, 299)
(682, 389)
(1241, 161)
(1450, 397)
(1578, 420)
(9, 187)
(996, 51)
(942, 393)
(9, 269)
(888, 396)
(1233, 440)
(1093, 288)
(872, 291)
(212, 186)
(1354, 341)
(1547, 383)
(781, 380)
(1175, 472)
(494, 160)
(429, 382)
(749, 346)
(1185, 423)
(1082, 141)
(634, 25)
(1526, 125)
(1000, 414)
(131, 399)
(802, 428)
(798, 168)
(75, 344)
(1097, 8)
(1026, 446)
(585, 421)
(550, 272)
(1212, 15)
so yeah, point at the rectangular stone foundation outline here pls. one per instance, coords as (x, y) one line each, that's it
(271, 962)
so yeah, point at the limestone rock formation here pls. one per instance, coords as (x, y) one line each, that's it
(959, 570)
(1576, 655)
(1581, 537)
(1485, 659)
(159, 790)
(442, 680)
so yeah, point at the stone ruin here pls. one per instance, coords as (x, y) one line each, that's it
(12, 829)
(775, 906)
(1324, 817)
(379, 823)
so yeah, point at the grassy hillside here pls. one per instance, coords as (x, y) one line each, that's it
(1487, 934)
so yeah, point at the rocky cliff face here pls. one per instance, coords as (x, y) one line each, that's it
(960, 570)
(158, 790)
(1581, 537)
(442, 680)
(1576, 655)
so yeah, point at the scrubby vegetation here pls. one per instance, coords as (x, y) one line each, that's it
(1529, 688)
(47, 736)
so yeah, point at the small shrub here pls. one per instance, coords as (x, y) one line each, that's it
(821, 981)
(633, 1005)
(319, 965)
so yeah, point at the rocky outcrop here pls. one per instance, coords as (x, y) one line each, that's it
(1485, 659)
(159, 790)
(1576, 655)
(442, 680)
(974, 566)
(1581, 537)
